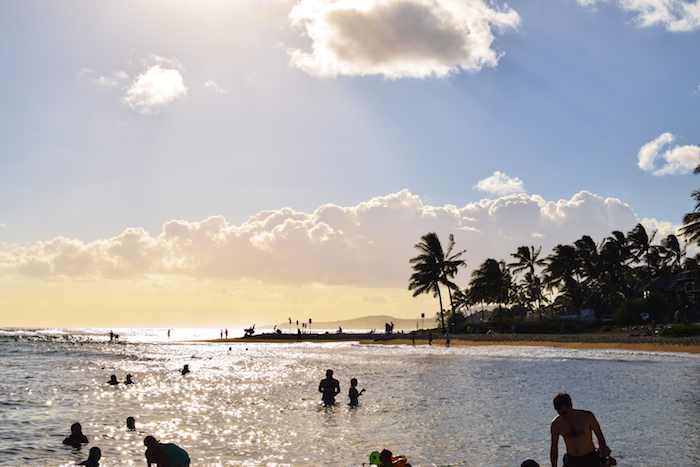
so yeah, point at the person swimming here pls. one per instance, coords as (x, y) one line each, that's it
(165, 454)
(93, 459)
(131, 423)
(113, 380)
(76, 437)
(128, 379)
(185, 370)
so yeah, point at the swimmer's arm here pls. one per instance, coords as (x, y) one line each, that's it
(595, 427)
(554, 448)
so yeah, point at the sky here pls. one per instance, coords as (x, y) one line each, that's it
(223, 163)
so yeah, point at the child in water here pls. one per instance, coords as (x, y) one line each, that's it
(354, 395)
(93, 459)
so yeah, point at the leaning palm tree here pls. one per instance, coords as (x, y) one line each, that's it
(433, 268)
(527, 259)
(640, 246)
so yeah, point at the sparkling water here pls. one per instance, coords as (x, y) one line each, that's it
(257, 404)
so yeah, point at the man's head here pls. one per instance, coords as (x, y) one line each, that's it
(329, 373)
(149, 441)
(562, 403)
(76, 428)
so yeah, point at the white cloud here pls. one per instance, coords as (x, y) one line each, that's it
(211, 84)
(398, 38)
(365, 245)
(155, 88)
(674, 15)
(500, 184)
(679, 159)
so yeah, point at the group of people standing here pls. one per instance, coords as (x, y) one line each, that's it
(330, 387)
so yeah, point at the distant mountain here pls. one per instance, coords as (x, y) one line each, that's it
(365, 324)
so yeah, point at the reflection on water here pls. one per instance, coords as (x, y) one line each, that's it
(258, 404)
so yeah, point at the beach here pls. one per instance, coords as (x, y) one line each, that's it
(620, 341)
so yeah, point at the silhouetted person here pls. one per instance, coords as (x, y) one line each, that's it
(128, 379)
(226, 333)
(354, 395)
(185, 370)
(329, 387)
(131, 423)
(447, 339)
(165, 454)
(529, 463)
(93, 459)
(113, 380)
(577, 428)
(76, 437)
(430, 338)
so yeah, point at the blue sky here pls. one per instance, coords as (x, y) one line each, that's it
(130, 115)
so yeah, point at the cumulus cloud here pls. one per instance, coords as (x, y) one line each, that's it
(678, 159)
(211, 84)
(398, 38)
(156, 87)
(500, 184)
(674, 15)
(365, 245)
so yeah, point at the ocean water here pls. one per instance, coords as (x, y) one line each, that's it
(257, 404)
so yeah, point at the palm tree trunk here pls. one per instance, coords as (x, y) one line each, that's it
(442, 313)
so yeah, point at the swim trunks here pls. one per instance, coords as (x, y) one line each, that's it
(176, 456)
(592, 459)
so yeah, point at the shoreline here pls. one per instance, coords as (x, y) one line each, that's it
(571, 341)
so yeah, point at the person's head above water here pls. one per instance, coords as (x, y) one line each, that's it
(131, 423)
(329, 373)
(561, 400)
(529, 463)
(95, 453)
(149, 441)
(76, 429)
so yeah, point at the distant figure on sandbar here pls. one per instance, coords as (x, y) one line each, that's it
(113, 380)
(131, 423)
(226, 333)
(93, 459)
(165, 454)
(76, 437)
(128, 379)
(329, 387)
(354, 395)
(168, 333)
(430, 338)
(577, 428)
(185, 370)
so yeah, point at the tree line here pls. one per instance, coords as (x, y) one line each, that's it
(612, 277)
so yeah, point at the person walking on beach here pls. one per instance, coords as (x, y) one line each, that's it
(354, 394)
(577, 428)
(430, 338)
(447, 339)
(329, 387)
(165, 454)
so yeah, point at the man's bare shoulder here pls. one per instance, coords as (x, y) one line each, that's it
(556, 422)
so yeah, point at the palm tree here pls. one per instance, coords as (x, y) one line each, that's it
(640, 246)
(528, 258)
(452, 263)
(563, 273)
(433, 268)
(492, 283)
(691, 221)
(673, 253)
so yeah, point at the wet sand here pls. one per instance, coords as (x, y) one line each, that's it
(571, 341)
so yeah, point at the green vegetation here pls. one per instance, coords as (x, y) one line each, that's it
(680, 330)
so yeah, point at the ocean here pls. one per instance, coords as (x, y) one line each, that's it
(257, 404)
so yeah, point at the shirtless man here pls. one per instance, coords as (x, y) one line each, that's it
(577, 428)
(329, 387)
